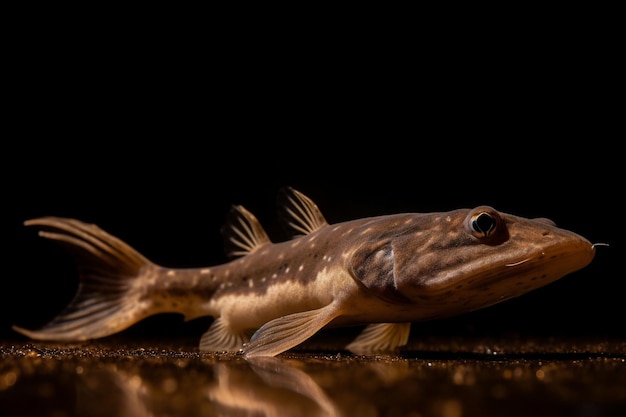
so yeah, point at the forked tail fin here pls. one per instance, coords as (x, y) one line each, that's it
(109, 297)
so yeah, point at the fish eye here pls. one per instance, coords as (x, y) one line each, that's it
(482, 223)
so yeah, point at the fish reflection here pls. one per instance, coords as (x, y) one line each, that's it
(108, 392)
(261, 387)
(277, 390)
(151, 384)
(209, 385)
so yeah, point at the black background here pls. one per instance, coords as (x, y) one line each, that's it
(153, 137)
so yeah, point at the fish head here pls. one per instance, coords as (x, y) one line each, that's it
(463, 260)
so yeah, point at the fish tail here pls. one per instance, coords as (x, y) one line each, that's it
(109, 297)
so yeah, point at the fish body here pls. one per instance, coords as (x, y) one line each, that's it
(385, 271)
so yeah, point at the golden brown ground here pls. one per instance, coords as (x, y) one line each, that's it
(439, 376)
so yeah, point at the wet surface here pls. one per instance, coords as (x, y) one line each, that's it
(439, 376)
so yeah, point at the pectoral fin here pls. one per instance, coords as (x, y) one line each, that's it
(380, 337)
(283, 333)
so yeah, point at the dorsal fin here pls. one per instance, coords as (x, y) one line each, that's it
(298, 213)
(243, 234)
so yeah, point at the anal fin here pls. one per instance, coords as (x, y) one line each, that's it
(220, 338)
(380, 337)
(283, 333)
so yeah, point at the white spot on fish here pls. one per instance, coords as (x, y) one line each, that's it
(274, 275)
(205, 271)
(295, 243)
(369, 229)
(448, 219)
(281, 256)
(301, 267)
(409, 220)
(263, 279)
(287, 270)
(335, 228)
(171, 273)
(251, 283)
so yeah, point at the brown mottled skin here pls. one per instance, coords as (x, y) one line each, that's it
(390, 270)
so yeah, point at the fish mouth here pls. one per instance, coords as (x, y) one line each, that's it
(496, 275)
(542, 267)
(493, 283)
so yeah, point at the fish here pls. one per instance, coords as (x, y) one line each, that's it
(382, 272)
